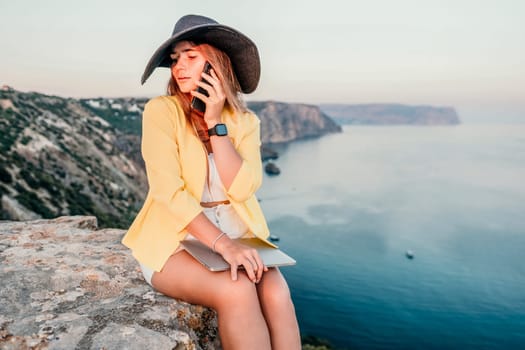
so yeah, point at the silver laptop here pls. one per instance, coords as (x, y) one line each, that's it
(270, 255)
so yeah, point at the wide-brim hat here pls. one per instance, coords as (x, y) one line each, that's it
(240, 49)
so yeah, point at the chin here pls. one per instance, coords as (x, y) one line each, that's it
(185, 89)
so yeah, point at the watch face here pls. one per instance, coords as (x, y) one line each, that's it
(221, 130)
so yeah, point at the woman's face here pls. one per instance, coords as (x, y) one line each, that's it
(187, 66)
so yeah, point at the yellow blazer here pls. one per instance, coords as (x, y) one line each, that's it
(176, 166)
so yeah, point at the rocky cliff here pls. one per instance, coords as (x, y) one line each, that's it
(68, 285)
(59, 158)
(391, 114)
(284, 122)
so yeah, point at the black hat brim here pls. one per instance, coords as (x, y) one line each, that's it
(242, 52)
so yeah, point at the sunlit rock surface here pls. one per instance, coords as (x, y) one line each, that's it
(67, 285)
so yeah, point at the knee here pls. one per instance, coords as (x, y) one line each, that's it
(277, 297)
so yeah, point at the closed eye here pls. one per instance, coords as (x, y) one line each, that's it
(189, 53)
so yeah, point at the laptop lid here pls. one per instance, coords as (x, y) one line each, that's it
(271, 256)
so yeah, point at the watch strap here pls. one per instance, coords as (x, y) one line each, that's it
(219, 130)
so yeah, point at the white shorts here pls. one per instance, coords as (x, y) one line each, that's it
(147, 273)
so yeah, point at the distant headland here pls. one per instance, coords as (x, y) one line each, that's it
(391, 114)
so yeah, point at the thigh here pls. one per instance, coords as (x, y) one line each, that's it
(184, 278)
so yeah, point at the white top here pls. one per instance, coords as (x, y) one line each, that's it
(223, 216)
(213, 188)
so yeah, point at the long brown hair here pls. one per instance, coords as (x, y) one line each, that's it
(222, 66)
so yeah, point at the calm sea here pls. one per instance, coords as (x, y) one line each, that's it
(348, 206)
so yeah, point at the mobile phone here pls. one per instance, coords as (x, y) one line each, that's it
(197, 103)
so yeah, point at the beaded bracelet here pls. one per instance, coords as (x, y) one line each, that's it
(215, 241)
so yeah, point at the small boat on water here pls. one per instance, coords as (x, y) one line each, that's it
(409, 254)
(274, 238)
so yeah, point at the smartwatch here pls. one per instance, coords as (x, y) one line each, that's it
(219, 130)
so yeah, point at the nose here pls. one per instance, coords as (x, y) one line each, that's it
(176, 66)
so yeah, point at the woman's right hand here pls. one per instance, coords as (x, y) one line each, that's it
(238, 254)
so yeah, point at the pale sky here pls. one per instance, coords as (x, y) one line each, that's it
(464, 53)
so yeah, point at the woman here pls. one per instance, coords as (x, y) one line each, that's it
(203, 170)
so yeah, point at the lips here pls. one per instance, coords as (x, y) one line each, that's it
(183, 81)
(185, 84)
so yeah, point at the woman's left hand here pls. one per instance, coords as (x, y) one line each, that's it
(215, 101)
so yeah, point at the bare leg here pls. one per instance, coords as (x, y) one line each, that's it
(279, 311)
(241, 321)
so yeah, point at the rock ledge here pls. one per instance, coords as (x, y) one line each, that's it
(67, 285)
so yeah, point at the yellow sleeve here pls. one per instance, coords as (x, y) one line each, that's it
(161, 156)
(249, 178)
